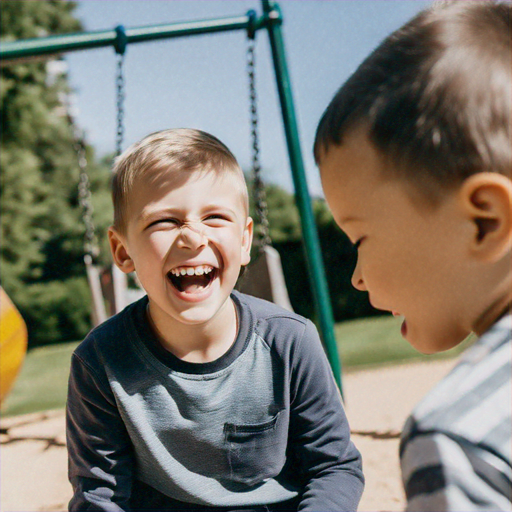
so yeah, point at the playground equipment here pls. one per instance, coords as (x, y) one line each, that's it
(107, 284)
(265, 277)
(13, 343)
(271, 20)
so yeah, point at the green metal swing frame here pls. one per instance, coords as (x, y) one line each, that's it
(271, 20)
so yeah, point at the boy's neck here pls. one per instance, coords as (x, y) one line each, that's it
(491, 315)
(201, 343)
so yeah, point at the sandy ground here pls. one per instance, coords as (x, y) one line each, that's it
(33, 461)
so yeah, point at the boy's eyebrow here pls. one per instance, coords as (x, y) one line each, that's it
(209, 207)
(350, 218)
(147, 214)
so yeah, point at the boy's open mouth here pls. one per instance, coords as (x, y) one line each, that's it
(192, 279)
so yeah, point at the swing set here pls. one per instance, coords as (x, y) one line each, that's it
(265, 277)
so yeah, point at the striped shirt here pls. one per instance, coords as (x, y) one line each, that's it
(456, 447)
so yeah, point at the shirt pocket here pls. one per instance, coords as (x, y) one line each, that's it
(256, 452)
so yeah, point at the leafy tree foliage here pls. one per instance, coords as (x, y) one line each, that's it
(41, 254)
(337, 252)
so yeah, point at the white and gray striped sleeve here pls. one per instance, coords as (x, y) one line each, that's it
(456, 447)
(444, 473)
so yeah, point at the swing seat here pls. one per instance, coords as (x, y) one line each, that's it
(109, 289)
(265, 279)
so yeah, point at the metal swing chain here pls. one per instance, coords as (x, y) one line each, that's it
(259, 193)
(91, 247)
(120, 89)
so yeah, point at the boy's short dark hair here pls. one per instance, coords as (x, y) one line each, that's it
(170, 154)
(435, 97)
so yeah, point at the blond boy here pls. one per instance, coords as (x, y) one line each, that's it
(415, 158)
(198, 397)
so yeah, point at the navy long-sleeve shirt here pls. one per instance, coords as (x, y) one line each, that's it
(261, 425)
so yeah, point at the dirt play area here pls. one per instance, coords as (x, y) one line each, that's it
(33, 460)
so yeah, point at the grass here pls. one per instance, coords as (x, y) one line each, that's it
(377, 341)
(42, 382)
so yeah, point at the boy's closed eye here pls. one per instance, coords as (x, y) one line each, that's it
(217, 219)
(171, 221)
(217, 216)
(356, 244)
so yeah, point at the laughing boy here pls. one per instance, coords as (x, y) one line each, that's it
(198, 397)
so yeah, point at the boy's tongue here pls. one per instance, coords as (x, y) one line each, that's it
(191, 284)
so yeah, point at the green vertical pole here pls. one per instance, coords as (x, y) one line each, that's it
(312, 244)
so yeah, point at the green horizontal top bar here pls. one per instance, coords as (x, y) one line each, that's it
(86, 40)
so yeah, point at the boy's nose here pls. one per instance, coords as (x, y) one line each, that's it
(191, 237)
(357, 279)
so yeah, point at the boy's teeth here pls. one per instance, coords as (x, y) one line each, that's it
(190, 271)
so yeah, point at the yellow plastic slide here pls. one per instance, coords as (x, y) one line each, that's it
(13, 343)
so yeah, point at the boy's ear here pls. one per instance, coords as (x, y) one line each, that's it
(487, 202)
(119, 251)
(247, 242)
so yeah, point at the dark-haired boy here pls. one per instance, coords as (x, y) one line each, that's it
(415, 158)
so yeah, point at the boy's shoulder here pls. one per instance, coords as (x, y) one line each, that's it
(278, 327)
(476, 395)
(263, 310)
(110, 337)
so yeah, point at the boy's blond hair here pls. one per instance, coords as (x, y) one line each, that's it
(435, 97)
(171, 153)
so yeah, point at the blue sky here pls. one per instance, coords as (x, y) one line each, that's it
(201, 81)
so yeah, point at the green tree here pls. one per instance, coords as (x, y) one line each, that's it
(282, 213)
(337, 253)
(41, 253)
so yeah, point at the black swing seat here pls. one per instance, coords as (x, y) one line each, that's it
(265, 279)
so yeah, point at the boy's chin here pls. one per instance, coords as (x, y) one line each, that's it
(196, 315)
(201, 312)
(430, 343)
